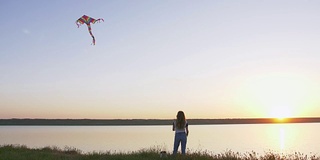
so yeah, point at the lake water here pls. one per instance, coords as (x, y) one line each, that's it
(261, 138)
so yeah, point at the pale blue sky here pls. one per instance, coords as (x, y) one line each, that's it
(212, 59)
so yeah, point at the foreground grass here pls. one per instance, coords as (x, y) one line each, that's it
(17, 152)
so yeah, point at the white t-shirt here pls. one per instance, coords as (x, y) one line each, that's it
(179, 130)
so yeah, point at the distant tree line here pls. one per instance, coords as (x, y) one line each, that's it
(117, 122)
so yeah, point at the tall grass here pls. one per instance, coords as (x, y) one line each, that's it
(20, 152)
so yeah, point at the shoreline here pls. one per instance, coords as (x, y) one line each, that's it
(17, 152)
(133, 122)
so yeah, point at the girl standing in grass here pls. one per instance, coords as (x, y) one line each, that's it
(180, 126)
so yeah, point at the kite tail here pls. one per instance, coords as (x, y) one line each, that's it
(93, 39)
(100, 19)
(78, 24)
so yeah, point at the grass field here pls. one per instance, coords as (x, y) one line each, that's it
(18, 152)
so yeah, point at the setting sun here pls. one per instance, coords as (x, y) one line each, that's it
(280, 112)
(277, 95)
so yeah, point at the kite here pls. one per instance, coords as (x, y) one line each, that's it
(87, 20)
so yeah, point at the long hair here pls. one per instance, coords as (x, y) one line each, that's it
(181, 120)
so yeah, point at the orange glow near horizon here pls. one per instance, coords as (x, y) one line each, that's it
(281, 120)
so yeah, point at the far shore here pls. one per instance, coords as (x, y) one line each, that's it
(127, 122)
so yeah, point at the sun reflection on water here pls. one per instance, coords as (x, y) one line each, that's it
(282, 136)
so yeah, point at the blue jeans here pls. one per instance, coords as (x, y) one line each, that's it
(180, 138)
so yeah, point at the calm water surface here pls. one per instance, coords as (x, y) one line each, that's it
(261, 138)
